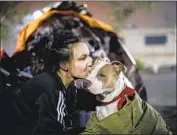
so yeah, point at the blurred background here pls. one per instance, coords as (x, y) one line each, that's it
(147, 29)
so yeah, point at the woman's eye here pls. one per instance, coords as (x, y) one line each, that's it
(83, 58)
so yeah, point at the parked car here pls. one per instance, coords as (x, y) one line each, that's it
(160, 68)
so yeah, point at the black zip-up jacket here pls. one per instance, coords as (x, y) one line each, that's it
(44, 106)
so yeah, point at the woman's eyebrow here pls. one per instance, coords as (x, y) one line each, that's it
(83, 55)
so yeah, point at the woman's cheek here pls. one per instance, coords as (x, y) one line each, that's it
(81, 67)
(84, 68)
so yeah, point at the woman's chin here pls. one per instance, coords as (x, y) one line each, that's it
(85, 75)
(81, 76)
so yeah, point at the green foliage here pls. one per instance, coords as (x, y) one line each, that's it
(123, 10)
(7, 11)
(139, 64)
(7, 8)
(10, 16)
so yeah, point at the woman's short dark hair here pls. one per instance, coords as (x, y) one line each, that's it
(51, 46)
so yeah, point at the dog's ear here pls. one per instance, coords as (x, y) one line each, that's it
(119, 66)
(82, 83)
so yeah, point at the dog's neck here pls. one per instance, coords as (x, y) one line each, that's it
(104, 111)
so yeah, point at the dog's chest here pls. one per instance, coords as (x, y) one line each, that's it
(105, 111)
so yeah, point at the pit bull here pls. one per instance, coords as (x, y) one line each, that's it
(109, 84)
(122, 110)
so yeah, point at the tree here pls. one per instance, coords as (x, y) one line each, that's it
(7, 9)
(10, 17)
(123, 10)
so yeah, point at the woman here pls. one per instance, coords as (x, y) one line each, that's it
(45, 103)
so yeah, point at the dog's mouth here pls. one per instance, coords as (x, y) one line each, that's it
(100, 97)
(103, 95)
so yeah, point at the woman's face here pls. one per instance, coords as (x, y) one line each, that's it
(81, 62)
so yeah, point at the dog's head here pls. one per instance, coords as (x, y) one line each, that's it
(103, 77)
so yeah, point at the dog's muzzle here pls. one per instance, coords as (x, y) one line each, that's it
(82, 83)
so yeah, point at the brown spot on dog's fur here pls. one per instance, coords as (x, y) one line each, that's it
(108, 74)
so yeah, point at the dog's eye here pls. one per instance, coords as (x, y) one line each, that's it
(102, 75)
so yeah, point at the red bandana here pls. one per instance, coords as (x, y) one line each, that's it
(126, 92)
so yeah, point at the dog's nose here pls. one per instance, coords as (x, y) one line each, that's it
(82, 83)
(86, 83)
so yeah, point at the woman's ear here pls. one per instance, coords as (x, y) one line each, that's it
(119, 66)
(64, 66)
